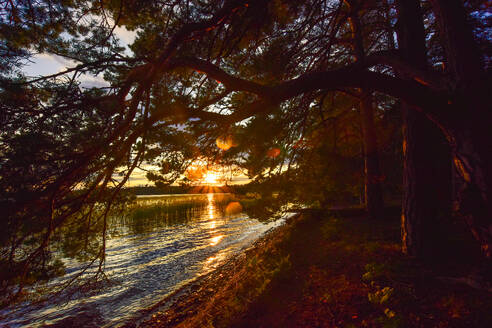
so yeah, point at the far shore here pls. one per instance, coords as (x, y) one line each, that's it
(177, 195)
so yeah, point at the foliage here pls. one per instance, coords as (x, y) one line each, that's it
(276, 79)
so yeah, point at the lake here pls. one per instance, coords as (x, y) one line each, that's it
(161, 244)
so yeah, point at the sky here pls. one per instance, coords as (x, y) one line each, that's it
(138, 179)
(46, 64)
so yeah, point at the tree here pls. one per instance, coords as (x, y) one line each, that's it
(469, 140)
(372, 171)
(426, 162)
(202, 71)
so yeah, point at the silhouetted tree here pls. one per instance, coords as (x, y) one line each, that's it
(201, 71)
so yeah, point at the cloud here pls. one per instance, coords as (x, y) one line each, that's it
(48, 64)
(45, 64)
(127, 37)
(91, 81)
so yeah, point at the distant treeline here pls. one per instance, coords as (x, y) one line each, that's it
(153, 190)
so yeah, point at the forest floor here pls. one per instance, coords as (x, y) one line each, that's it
(325, 269)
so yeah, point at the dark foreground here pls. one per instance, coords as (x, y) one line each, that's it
(334, 270)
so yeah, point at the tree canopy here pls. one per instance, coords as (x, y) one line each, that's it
(278, 85)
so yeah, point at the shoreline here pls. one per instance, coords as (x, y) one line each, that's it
(332, 268)
(182, 303)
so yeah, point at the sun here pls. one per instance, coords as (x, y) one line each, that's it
(210, 177)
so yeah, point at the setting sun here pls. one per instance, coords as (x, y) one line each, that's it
(211, 177)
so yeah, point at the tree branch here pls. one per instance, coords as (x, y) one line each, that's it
(230, 82)
(393, 59)
(419, 94)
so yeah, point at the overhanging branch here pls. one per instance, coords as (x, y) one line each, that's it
(392, 58)
(419, 94)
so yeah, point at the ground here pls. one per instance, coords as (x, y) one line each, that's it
(334, 269)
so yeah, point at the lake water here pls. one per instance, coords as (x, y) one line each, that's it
(164, 243)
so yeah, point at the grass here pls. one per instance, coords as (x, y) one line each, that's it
(148, 214)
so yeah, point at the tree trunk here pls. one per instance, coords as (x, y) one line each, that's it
(426, 169)
(372, 173)
(426, 183)
(469, 133)
(373, 192)
(462, 52)
(472, 157)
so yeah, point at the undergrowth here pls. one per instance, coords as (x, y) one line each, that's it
(334, 271)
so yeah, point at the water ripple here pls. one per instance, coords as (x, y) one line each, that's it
(147, 260)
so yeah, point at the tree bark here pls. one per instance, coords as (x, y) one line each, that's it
(472, 157)
(469, 133)
(426, 173)
(462, 52)
(372, 173)
(426, 183)
(373, 192)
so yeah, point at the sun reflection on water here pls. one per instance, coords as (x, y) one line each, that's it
(215, 240)
(154, 249)
(213, 261)
(211, 207)
(212, 213)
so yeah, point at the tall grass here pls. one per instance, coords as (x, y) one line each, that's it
(149, 214)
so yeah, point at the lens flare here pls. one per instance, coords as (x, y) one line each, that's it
(225, 142)
(274, 152)
(233, 208)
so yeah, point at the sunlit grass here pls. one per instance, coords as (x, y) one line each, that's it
(148, 214)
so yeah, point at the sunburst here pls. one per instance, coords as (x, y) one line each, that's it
(211, 178)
